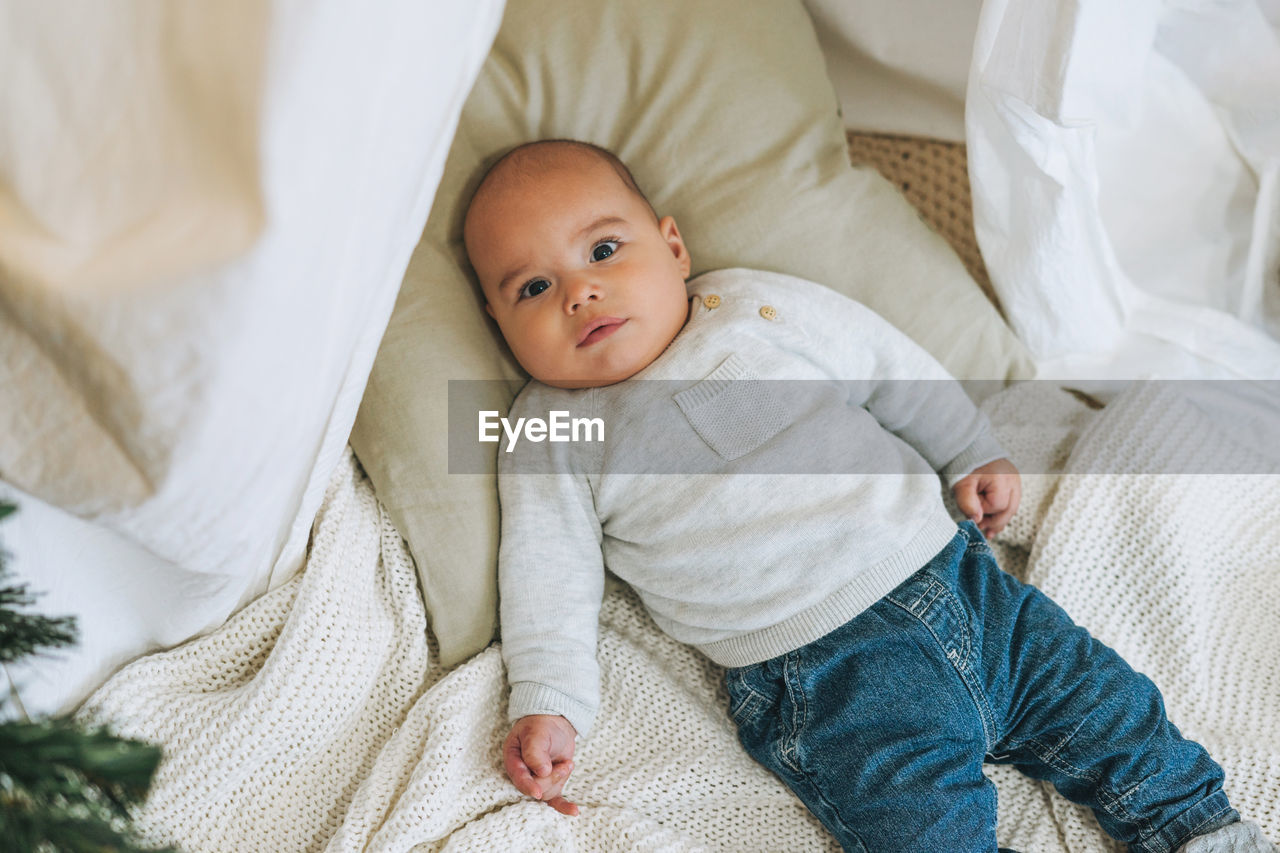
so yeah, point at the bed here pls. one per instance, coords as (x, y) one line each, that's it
(233, 454)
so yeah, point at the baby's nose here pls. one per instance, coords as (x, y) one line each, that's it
(580, 292)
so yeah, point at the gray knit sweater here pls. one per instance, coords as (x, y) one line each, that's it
(771, 475)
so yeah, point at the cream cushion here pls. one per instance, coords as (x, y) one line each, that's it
(724, 112)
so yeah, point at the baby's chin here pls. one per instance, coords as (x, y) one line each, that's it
(587, 382)
(598, 379)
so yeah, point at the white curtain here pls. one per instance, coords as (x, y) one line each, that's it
(205, 213)
(1124, 160)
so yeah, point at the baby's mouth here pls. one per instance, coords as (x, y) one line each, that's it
(599, 329)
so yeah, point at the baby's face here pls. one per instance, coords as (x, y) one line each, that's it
(585, 285)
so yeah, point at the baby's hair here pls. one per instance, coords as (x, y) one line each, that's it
(524, 158)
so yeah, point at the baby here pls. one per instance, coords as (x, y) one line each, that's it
(876, 656)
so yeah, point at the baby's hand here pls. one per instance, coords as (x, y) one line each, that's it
(538, 756)
(989, 495)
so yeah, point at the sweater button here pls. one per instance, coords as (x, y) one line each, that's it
(768, 312)
(711, 301)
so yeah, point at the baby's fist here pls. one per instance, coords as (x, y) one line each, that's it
(989, 495)
(538, 756)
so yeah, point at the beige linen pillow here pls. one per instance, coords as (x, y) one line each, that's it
(723, 111)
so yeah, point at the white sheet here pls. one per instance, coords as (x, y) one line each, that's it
(205, 214)
(1124, 160)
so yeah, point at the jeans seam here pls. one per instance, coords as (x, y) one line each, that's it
(979, 544)
(1158, 843)
(1112, 802)
(960, 662)
(1211, 818)
(786, 751)
(749, 708)
(1049, 755)
(920, 604)
(789, 753)
(819, 794)
(1191, 833)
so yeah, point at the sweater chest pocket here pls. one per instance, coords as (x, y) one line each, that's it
(733, 410)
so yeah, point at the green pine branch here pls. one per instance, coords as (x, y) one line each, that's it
(70, 788)
(22, 634)
(62, 787)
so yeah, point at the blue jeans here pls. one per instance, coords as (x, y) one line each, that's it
(882, 726)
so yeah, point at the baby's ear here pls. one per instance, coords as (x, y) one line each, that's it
(671, 233)
(489, 308)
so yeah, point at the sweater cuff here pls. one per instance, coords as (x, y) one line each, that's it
(984, 449)
(530, 697)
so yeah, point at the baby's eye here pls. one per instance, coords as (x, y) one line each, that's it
(603, 249)
(534, 287)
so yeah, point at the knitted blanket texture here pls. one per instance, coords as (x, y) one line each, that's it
(318, 717)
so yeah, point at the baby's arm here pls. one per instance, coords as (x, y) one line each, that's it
(550, 582)
(905, 388)
(538, 756)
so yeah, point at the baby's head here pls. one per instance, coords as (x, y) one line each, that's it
(585, 281)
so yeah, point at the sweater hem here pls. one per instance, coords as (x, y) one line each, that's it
(529, 697)
(985, 449)
(872, 584)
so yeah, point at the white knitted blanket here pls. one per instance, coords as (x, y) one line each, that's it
(318, 718)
